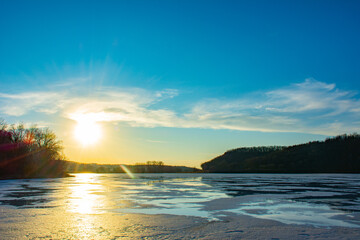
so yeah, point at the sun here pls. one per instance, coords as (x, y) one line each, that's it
(87, 131)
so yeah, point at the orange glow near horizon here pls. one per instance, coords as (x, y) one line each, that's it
(89, 138)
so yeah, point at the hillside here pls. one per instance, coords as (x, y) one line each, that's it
(340, 154)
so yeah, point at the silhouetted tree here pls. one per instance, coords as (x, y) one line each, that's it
(29, 152)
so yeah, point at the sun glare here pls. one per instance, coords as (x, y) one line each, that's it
(87, 131)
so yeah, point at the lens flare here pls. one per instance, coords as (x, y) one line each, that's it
(127, 171)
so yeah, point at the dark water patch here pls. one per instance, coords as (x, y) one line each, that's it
(343, 202)
(25, 195)
(235, 231)
(28, 191)
(23, 202)
(244, 192)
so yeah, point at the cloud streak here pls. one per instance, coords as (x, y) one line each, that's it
(22, 103)
(310, 107)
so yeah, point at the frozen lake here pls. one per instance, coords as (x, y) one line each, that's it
(323, 200)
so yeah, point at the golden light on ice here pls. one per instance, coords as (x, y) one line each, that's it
(83, 197)
(87, 131)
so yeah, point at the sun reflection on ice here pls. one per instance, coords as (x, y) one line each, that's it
(86, 197)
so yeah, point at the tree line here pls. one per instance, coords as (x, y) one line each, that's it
(148, 167)
(29, 152)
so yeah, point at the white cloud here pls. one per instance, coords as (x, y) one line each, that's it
(310, 106)
(20, 104)
(167, 93)
(310, 95)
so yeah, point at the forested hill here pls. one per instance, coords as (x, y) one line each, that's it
(340, 154)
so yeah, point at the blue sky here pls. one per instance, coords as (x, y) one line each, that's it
(193, 77)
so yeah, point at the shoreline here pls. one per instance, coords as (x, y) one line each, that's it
(40, 223)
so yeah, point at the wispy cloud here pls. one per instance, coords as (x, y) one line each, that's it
(310, 106)
(310, 95)
(127, 105)
(21, 103)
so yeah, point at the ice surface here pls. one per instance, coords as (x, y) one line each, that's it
(313, 199)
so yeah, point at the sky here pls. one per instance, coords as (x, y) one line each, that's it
(180, 81)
